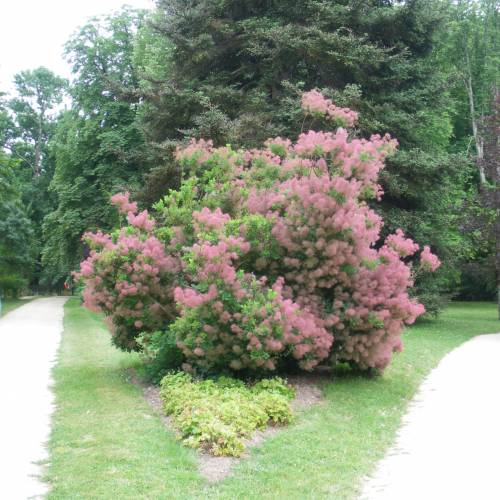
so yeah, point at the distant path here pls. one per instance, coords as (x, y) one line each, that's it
(29, 339)
(449, 444)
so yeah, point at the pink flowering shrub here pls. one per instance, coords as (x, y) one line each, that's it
(264, 256)
(129, 276)
(231, 319)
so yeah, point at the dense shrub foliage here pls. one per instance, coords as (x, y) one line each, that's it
(263, 257)
(217, 416)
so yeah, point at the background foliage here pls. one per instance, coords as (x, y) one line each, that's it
(233, 71)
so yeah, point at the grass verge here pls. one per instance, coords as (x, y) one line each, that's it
(107, 443)
(11, 304)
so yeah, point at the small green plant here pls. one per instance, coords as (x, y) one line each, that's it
(218, 415)
(160, 355)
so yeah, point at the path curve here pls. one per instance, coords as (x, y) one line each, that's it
(449, 444)
(29, 339)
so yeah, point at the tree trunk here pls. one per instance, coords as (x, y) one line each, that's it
(38, 154)
(475, 129)
(478, 140)
(38, 141)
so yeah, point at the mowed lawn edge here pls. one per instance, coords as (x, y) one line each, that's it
(108, 443)
(9, 305)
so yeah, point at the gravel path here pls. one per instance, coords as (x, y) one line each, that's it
(29, 338)
(449, 444)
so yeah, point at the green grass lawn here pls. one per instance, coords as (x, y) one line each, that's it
(107, 443)
(11, 304)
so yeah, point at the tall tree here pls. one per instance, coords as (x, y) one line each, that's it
(470, 48)
(16, 233)
(39, 92)
(99, 147)
(33, 112)
(6, 124)
(236, 69)
(490, 132)
(474, 49)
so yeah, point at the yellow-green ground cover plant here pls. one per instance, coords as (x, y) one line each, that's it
(217, 416)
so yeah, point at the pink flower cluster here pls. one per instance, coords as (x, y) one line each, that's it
(122, 202)
(401, 245)
(141, 221)
(239, 322)
(326, 238)
(429, 261)
(125, 206)
(315, 103)
(357, 159)
(198, 151)
(206, 219)
(378, 308)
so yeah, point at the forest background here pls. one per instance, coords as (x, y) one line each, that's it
(425, 71)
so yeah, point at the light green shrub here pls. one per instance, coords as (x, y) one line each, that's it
(218, 415)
